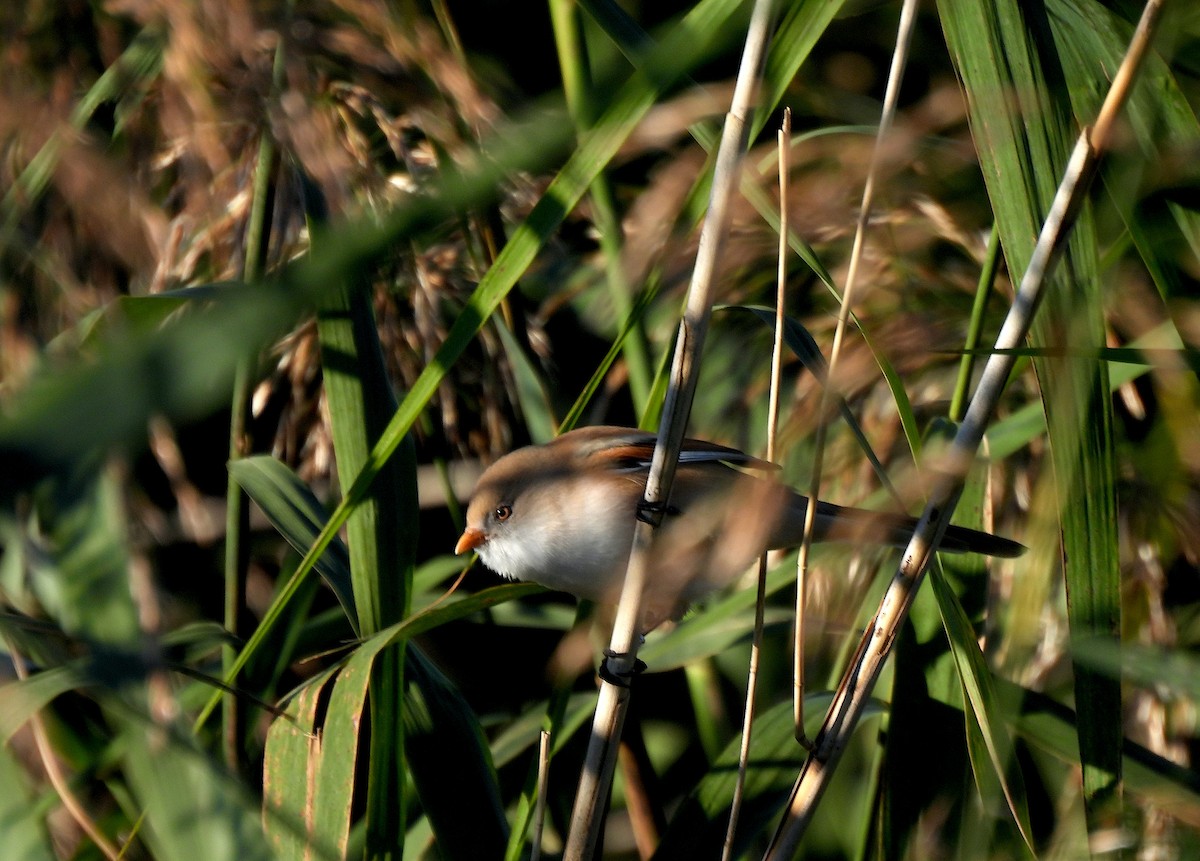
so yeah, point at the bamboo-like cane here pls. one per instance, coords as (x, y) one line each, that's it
(877, 640)
(611, 707)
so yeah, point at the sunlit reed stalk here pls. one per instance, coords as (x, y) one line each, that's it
(596, 777)
(880, 635)
(543, 781)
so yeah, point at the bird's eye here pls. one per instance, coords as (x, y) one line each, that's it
(502, 512)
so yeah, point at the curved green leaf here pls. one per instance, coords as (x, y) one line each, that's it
(298, 515)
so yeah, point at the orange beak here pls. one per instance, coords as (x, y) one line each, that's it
(470, 539)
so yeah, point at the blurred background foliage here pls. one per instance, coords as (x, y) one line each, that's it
(212, 210)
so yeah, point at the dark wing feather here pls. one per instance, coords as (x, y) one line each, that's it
(632, 449)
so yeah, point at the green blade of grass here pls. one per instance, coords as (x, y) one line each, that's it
(1151, 666)
(298, 516)
(81, 575)
(1019, 109)
(628, 326)
(1053, 728)
(699, 824)
(575, 65)
(443, 737)
(320, 795)
(532, 396)
(22, 699)
(343, 751)
(237, 516)
(293, 751)
(1027, 423)
(987, 735)
(23, 825)
(193, 808)
(381, 535)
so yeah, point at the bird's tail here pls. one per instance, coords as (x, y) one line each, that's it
(857, 525)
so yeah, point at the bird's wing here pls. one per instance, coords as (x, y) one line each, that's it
(699, 451)
(632, 450)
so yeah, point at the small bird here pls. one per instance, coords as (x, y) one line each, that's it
(563, 514)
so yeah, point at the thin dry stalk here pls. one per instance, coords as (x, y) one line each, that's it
(785, 149)
(646, 819)
(877, 640)
(596, 778)
(54, 773)
(908, 15)
(739, 788)
(543, 782)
